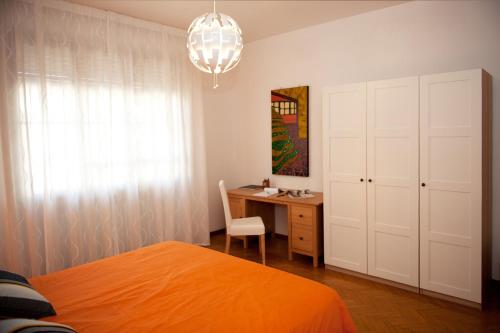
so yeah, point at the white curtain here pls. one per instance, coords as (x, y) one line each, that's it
(101, 136)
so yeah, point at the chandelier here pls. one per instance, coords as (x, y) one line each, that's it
(214, 43)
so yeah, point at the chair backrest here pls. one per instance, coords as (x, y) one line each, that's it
(225, 202)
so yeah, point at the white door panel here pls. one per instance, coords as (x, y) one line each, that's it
(450, 167)
(392, 171)
(344, 173)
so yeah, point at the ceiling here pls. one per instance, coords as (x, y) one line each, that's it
(257, 19)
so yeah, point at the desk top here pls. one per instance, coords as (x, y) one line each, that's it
(283, 200)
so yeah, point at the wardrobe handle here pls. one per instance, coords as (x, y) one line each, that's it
(369, 180)
(301, 238)
(300, 215)
(423, 184)
(361, 180)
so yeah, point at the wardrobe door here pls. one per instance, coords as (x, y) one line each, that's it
(450, 192)
(344, 176)
(392, 171)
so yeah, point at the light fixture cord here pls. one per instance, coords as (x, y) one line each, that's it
(216, 84)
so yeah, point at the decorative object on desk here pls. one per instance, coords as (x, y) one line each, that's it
(290, 131)
(268, 191)
(271, 190)
(266, 183)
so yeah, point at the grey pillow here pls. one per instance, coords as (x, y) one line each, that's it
(19, 300)
(9, 276)
(32, 326)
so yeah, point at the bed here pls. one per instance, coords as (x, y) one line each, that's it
(178, 287)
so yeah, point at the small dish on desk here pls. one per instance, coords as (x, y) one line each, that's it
(300, 194)
(303, 196)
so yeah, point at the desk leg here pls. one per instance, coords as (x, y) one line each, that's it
(244, 213)
(315, 261)
(289, 215)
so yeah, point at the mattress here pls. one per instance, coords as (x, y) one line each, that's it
(178, 287)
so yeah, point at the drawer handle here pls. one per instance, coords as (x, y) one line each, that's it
(300, 215)
(301, 238)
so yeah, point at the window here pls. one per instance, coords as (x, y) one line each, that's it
(98, 137)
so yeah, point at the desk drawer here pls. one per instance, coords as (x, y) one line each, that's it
(302, 239)
(302, 215)
(237, 207)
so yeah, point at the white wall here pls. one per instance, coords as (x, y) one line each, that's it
(410, 39)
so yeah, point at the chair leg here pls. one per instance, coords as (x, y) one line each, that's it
(262, 241)
(228, 242)
(245, 242)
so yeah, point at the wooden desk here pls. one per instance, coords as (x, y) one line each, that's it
(305, 218)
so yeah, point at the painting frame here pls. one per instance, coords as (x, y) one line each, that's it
(290, 131)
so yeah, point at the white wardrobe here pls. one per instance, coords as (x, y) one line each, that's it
(406, 180)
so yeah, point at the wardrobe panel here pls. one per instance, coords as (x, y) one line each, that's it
(386, 261)
(392, 171)
(449, 103)
(449, 213)
(346, 156)
(344, 174)
(451, 180)
(393, 206)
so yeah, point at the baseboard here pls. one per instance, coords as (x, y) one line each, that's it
(218, 232)
(451, 299)
(373, 278)
(494, 284)
(223, 232)
(410, 288)
(280, 236)
(492, 294)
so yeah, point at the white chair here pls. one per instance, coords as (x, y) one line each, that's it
(247, 226)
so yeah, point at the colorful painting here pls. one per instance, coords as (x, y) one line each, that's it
(290, 131)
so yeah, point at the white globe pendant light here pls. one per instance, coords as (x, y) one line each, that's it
(214, 43)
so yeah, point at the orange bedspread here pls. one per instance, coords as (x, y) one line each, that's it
(177, 287)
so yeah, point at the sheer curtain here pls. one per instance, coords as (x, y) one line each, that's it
(101, 136)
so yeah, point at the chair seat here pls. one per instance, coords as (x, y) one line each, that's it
(247, 226)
